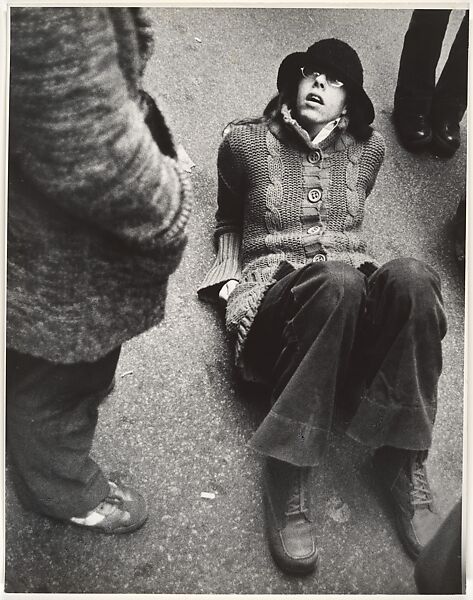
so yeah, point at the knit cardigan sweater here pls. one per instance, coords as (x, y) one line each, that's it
(283, 202)
(97, 205)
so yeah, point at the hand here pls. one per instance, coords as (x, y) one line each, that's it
(227, 289)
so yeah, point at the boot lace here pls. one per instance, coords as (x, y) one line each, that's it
(421, 494)
(294, 503)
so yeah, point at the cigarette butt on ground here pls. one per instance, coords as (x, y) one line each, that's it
(208, 495)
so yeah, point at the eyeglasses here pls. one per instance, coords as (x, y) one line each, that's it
(310, 73)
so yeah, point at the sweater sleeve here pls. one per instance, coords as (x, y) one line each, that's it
(78, 135)
(229, 221)
(372, 159)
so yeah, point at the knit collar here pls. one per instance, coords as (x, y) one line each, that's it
(288, 130)
(302, 133)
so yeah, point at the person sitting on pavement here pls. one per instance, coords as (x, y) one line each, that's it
(426, 114)
(313, 315)
(97, 209)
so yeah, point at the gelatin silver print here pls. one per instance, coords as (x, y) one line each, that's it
(235, 300)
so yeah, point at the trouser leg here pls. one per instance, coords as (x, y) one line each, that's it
(52, 412)
(304, 333)
(305, 322)
(420, 54)
(399, 351)
(450, 97)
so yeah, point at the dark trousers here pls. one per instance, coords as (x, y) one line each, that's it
(328, 337)
(416, 90)
(52, 412)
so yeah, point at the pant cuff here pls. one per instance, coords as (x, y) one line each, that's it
(392, 424)
(300, 444)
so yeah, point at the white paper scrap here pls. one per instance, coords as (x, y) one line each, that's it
(208, 495)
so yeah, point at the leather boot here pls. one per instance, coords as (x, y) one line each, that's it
(403, 476)
(289, 525)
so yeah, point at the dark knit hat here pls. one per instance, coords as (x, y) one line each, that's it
(339, 59)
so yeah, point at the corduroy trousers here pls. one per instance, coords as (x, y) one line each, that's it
(51, 416)
(329, 339)
(416, 89)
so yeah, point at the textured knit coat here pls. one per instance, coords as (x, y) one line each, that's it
(283, 202)
(96, 208)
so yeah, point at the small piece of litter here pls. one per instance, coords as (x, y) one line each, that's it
(208, 495)
(166, 518)
(126, 373)
(198, 40)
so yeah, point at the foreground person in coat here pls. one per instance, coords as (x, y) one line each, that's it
(97, 209)
(313, 315)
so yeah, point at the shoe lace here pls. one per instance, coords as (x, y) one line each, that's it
(421, 494)
(111, 500)
(294, 503)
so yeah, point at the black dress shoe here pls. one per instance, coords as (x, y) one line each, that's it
(413, 129)
(289, 526)
(446, 136)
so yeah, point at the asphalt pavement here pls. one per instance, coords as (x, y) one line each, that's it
(177, 425)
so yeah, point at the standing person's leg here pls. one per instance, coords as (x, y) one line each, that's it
(302, 338)
(401, 347)
(450, 98)
(416, 79)
(52, 412)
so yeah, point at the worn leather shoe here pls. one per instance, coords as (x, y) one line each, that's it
(413, 128)
(289, 526)
(446, 136)
(124, 510)
(409, 493)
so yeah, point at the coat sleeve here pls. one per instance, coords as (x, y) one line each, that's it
(78, 135)
(229, 220)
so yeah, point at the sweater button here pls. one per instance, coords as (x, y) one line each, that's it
(314, 195)
(314, 157)
(319, 258)
(315, 230)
